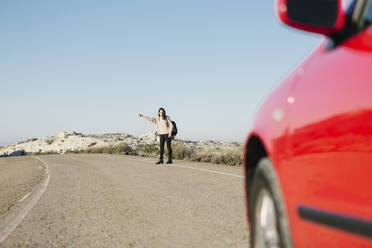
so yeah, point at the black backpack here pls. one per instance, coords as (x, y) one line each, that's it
(174, 130)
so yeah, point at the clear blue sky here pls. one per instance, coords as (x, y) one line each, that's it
(92, 66)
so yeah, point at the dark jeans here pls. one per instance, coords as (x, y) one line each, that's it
(164, 138)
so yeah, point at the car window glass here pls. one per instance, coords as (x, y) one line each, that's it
(346, 4)
(368, 14)
(349, 7)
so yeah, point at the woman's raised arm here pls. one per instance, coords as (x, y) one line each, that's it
(153, 120)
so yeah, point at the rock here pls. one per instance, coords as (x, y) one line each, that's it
(150, 137)
(62, 135)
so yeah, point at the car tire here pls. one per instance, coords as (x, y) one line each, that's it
(267, 215)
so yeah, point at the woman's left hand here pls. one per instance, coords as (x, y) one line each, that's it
(169, 135)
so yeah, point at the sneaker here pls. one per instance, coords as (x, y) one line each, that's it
(169, 162)
(160, 162)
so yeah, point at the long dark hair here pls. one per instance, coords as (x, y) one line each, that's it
(165, 115)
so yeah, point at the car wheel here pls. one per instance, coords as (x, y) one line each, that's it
(267, 216)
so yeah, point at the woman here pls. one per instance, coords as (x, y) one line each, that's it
(164, 128)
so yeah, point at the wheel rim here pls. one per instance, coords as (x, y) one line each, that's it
(266, 231)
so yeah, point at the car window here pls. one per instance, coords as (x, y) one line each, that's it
(346, 4)
(368, 13)
(349, 7)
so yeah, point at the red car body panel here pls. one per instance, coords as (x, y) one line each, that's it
(321, 144)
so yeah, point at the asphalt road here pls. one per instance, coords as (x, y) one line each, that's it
(119, 201)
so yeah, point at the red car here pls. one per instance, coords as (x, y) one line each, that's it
(308, 159)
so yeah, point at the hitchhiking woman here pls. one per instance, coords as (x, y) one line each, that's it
(164, 128)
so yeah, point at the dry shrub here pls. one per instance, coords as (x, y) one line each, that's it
(225, 156)
(230, 158)
(92, 150)
(47, 153)
(112, 149)
(148, 150)
(68, 151)
(181, 151)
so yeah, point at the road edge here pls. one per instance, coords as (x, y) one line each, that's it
(13, 224)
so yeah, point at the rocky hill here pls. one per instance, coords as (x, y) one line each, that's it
(145, 145)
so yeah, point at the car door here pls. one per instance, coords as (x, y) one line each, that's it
(330, 165)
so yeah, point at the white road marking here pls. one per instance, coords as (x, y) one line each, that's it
(13, 225)
(24, 197)
(206, 170)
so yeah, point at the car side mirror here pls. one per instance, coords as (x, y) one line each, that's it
(317, 16)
